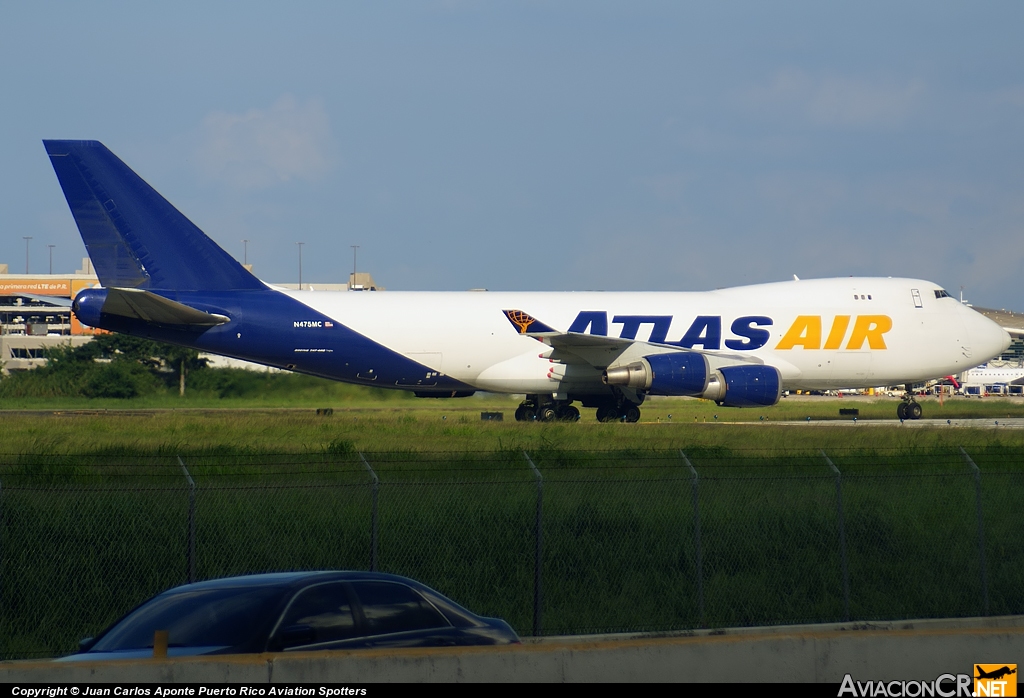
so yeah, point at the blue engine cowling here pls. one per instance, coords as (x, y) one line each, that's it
(751, 386)
(688, 374)
(678, 374)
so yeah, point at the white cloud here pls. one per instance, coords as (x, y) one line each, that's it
(837, 101)
(257, 149)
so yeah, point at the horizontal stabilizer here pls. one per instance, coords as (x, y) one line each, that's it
(149, 307)
(51, 300)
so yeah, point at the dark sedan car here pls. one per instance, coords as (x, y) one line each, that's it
(295, 611)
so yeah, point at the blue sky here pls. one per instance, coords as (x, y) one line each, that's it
(540, 145)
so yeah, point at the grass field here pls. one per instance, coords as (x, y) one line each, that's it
(376, 421)
(94, 509)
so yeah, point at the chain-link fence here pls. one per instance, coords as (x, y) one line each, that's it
(553, 542)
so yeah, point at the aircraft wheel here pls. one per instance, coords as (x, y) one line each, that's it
(913, 411)
(546, 414)
(901, 410)
(528, 414)
(631, 414)
(519, 414)
(569, 414)
(607, 414)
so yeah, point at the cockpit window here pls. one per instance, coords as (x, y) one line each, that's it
(940, 293)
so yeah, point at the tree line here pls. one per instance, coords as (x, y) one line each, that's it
(120, 366)
(109, 366)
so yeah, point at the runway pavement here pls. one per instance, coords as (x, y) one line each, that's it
(1005, 423)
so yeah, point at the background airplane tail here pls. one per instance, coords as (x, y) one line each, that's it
(135, 237)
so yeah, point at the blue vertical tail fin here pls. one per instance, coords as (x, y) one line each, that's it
(135, 237)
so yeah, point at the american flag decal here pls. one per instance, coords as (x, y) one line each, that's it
(328, 323)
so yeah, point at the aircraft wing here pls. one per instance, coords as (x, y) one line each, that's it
(600, 351)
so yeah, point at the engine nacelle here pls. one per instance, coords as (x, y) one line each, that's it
(688, 374)
(663, 374)
(750, 386)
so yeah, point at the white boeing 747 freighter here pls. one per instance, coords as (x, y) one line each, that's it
(163, 278)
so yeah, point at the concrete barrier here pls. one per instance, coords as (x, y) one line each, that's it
(907, 650)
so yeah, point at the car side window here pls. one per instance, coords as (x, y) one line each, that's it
(320, 613)
(390, 607)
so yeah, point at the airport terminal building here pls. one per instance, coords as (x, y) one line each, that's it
(35, 314)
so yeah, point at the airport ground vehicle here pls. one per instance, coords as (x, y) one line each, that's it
(294, 611)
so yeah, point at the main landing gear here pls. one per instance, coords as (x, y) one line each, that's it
(536, 408)
(908, 409)
(544, 408)
(618, 408)
(627, 412)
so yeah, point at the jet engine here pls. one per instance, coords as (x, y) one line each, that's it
(689, 374)
(751, 386)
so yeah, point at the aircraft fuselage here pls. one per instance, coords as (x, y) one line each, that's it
(819, 333)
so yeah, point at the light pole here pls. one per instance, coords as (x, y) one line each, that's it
(27, 238)
(300, 244)
(51, 258)
(355, 249)
(245, 258)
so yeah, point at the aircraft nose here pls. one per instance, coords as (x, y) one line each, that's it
(988, 340)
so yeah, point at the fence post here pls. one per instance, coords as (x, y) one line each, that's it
(190, 555)
(981, 528)
(373, 514)
(696, 538)
(842, 536)
(538, 540)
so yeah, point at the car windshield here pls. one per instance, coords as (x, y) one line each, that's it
(201, 618)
